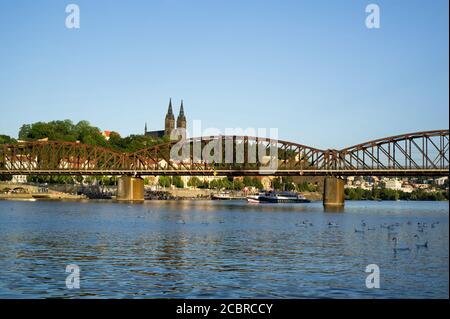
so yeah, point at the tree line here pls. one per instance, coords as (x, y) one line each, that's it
(83, 132)
(392, 194)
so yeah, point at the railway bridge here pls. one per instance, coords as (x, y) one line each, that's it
(413, 154)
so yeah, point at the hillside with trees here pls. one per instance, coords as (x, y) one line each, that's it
(83, 132)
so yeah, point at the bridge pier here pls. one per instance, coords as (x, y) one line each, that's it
(130, 188)
(333, 192)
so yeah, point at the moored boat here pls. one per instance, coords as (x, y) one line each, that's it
(277, 197)
(225, 196)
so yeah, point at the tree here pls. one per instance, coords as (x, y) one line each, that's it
(5, 139)
(84, 132)
(165, 181)
(78, 179)
(306, 187)
(54, 130)
(214, 184)
(247, 181)
(289, 186)
(177, 182)
(5, 177)
(194, 182)
(277, 184)
(257, 183)
(238, 185)
(204, 185)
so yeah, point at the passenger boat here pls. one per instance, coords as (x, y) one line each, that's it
(277, 197)
(226, 196)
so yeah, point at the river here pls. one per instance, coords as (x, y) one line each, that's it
(213, 249)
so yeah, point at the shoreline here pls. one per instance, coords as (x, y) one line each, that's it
(35, 197)
(76, 198)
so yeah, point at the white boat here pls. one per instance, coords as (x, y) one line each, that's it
(225, 196)
(253, 198)
(277, 197)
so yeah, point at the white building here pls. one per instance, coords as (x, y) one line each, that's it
(19, 179)
(441, 181)
(393, 184)
(407, 189)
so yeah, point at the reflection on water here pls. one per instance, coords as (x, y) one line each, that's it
(207, 249)
(333, 209)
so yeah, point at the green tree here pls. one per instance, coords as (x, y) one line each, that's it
(277, 184)
(165, 181)
(247, 181)
(194, 182)
(238, 184)
(177, 182)
(5, 139)
(204, 185)
(257, 183)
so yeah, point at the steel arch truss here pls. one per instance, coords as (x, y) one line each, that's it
(422, 153)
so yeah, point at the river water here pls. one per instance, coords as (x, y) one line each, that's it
(229, 249)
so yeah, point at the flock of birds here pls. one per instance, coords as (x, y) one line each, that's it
(182, 222)
(392, 231)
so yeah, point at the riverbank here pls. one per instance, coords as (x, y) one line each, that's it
(202, 194)
(41, 196)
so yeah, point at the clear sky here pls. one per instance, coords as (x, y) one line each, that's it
(309, 68)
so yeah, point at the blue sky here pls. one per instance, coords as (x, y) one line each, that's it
(309, 68)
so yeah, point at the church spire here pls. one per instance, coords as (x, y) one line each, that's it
(181, 109)
(169, 111)
(170, 120)
(145, 129)
(181, 120)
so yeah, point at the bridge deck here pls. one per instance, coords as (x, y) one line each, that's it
(382, 172)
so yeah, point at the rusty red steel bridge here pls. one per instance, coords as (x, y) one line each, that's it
(414, 154)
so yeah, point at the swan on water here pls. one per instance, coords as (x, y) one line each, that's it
(302, 224)
(420, 244)
(397, 247)
(331, 225)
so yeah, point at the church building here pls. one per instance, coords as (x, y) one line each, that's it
(169, 123)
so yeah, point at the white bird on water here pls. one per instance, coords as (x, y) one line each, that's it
(302, 224)
(420, 244)
(401, 247)
(332, 225)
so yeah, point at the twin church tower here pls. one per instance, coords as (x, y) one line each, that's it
(169, 123)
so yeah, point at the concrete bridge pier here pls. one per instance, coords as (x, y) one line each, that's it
(130, 188)
(333, 192)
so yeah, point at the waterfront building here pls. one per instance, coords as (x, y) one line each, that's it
(19, 179)
(441, 180)
(407, 188)
(393, 183)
